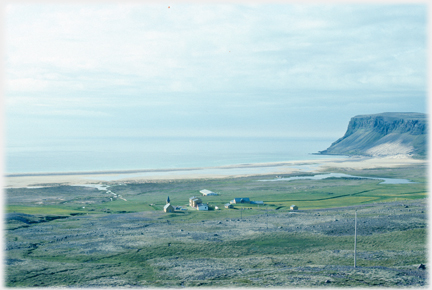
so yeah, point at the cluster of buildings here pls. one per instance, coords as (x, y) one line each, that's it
(169, 208)
(194, 202)
(197, 203)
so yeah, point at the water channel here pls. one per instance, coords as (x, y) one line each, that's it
(341, 175)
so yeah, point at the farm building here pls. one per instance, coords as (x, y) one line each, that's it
(206, 192)
(197, 203)
(257, 202)
(228, 205)
(294, 207)
(240, 200)
(168, 208)
(202, 206)
(193, 201)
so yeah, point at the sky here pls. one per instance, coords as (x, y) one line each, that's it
(93, 70)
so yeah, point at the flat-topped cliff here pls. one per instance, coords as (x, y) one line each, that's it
(385, 134)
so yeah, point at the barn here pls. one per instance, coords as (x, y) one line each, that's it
(240, 200)
(294, 207)
(206, 192)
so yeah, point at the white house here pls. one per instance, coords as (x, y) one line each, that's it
(202, 206)
(206, 192)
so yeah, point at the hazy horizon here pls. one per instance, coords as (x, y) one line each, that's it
(118, 71)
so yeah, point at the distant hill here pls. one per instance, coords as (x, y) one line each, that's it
(384, 134)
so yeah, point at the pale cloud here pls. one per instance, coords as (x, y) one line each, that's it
(233, 62)
(26, 85)
(73, 113)
(214, 46)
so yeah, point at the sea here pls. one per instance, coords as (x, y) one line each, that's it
(117, 154)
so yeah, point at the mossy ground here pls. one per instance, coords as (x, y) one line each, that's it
(132, 243)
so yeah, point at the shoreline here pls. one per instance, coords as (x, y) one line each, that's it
(20, 180)
(144, 170)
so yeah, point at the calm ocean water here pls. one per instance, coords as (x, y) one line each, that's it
(157, 153)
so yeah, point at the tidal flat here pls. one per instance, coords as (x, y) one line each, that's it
(119, 236)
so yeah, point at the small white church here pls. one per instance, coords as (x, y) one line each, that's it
(168, 207)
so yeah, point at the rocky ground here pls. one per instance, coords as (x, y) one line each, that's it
(286, 249)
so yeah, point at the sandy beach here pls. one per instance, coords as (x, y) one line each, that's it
(239, 170)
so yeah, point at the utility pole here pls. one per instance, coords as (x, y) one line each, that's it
(267, 214)
(241, 214)
(355, 238)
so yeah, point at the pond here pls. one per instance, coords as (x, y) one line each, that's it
(341, 175)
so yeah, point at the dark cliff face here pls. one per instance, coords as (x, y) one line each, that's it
(384, 124)
(383, 134)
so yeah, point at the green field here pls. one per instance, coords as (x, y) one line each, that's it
(67, 236)
(306, 194)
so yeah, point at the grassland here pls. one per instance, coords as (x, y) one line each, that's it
(85, 237)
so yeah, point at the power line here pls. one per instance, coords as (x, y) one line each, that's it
(355, 238)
